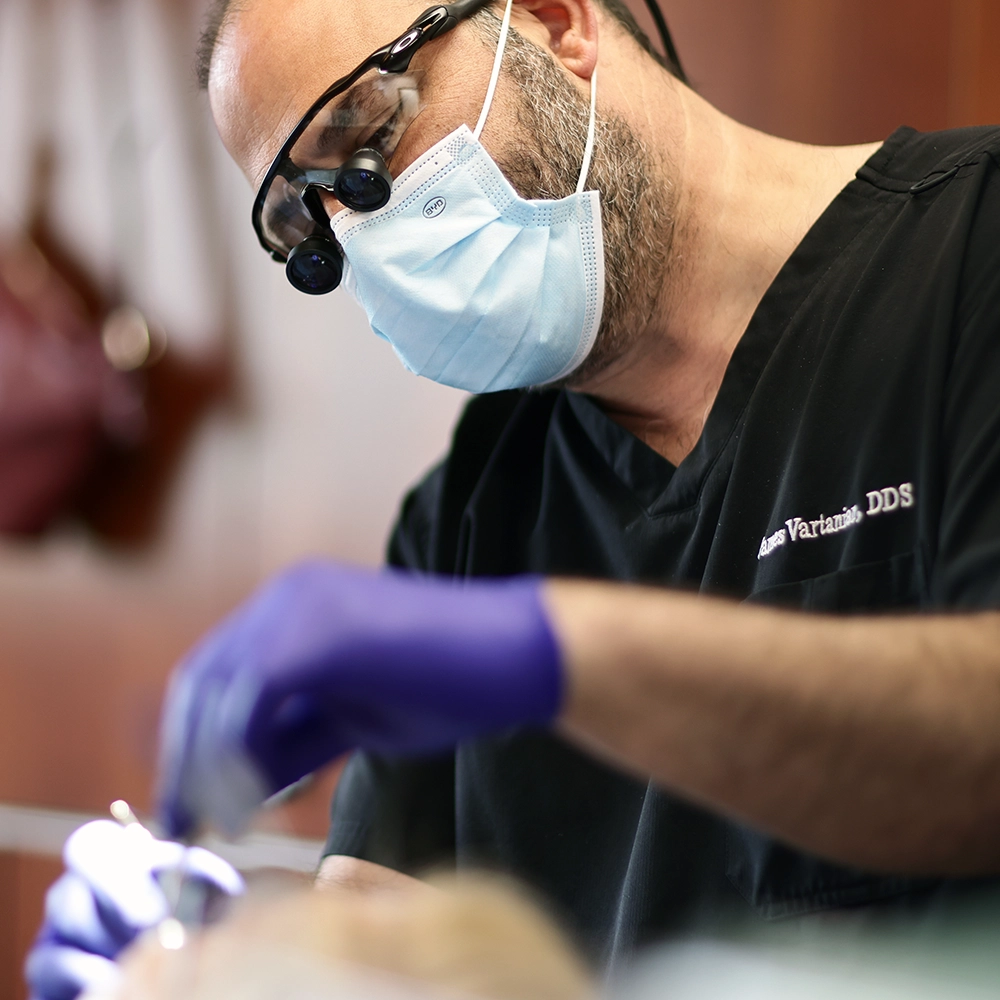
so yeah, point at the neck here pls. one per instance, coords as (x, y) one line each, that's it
(743, 202)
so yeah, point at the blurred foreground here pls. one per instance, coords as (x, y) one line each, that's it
(480, 937)
(307, 444)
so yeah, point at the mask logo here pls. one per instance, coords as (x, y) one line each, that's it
(434, 207)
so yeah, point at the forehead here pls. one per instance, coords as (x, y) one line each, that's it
(275, 57)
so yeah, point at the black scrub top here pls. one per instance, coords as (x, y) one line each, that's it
(850, 464)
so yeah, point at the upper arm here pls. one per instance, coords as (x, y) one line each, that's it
(426, 535)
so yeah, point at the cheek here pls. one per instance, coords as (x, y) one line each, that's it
(426, 130)
(503, 128)
(455, 97)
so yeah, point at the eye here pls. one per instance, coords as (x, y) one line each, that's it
(381, 139)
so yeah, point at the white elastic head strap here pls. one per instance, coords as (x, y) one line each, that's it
(588, 153)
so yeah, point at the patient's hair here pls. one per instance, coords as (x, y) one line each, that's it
(220, 11)
(455, 939)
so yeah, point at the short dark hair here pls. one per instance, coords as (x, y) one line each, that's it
(220, 10)
(218, 13)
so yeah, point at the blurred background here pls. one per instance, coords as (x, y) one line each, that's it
(176, 422)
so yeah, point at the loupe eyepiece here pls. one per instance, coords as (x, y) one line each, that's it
(315, 266)
(363, 182)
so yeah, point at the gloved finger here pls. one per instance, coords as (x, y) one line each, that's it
(216, 871)
(187, 773)
(222, 785)
(59, 972)
(72, 917)
(290, 728)
(183, 707)
(204, 770)
(118, 864)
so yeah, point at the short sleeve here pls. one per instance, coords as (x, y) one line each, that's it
(967, 566)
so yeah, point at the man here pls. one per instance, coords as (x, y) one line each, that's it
(786, 397)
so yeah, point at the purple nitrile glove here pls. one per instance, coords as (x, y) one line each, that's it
(107, 897)
(328, 658)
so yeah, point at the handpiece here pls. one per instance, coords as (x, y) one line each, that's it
(185, 896)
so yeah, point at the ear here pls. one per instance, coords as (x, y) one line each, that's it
(567, 28)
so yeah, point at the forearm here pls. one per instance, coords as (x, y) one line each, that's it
(871, 741)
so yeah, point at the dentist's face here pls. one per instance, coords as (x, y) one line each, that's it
(277, 56)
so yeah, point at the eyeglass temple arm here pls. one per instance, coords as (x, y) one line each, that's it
(463, 8)
(455, 12)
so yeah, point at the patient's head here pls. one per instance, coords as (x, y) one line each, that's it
(459, 937)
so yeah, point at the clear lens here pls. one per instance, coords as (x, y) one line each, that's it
(315, 266)
(362, 190)
(286, 221)
(374, 113)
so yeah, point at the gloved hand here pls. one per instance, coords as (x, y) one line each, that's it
(107, 897)
(328, 658)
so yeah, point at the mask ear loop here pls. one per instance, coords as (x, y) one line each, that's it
(495, 75)
(588, 153)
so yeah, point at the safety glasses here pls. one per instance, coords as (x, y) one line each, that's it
(342, 145)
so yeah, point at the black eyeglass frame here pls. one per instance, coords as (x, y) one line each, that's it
(392, 58)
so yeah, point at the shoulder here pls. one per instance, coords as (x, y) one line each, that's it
(914, 162)
(492, 429)
(947, 189)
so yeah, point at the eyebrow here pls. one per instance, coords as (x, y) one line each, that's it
(361, 97)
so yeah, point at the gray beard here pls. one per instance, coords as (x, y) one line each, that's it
(544, 161)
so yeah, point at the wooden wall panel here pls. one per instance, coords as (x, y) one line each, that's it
(24, 879)
(975, 66)
(841, 71)
(83, 664)
(10, 922)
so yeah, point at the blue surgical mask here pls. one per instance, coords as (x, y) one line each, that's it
(474, 286)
